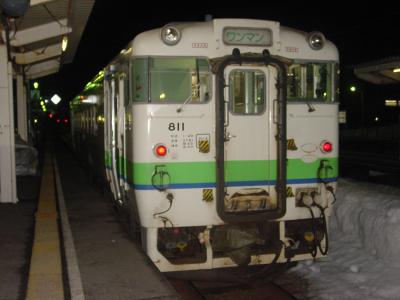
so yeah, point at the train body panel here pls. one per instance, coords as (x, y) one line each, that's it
(223, 158)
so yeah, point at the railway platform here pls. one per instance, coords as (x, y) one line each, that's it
(69, 244)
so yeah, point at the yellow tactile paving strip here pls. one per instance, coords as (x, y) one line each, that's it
(45, 274)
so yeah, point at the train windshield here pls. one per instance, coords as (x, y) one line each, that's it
(312, 81)
(171, 80)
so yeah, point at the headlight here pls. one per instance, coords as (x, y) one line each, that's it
(316, 40)
(170, 35)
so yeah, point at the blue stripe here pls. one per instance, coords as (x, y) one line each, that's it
(230, 184)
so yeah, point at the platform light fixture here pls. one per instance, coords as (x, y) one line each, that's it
(396, 70)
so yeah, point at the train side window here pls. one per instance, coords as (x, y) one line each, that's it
(247, 92)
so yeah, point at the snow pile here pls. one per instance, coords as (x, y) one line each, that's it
(26, 158)
(364, 257)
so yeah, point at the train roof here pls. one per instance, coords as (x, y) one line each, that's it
(207, 39)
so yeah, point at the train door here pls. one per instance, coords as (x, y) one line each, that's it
(250, 144)
(111, 142)
(107, 134)
(120, 97)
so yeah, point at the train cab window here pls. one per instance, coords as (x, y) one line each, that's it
(179, 80)
(247, 92)
(312, 81)
(139, 81)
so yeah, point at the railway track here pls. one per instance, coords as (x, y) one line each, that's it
(370, 161)
(258, 289)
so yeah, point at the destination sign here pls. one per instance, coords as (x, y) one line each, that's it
(247, 36)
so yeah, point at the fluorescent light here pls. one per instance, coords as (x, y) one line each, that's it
(90, 99)
(64, 43)
(390, 102)
(397, 70)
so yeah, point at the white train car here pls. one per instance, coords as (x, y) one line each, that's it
(220, 141)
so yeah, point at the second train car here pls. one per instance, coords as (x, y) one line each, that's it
(220, 141)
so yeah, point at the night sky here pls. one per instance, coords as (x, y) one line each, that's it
(361, 34)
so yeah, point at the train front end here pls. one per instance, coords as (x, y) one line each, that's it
(231, 143)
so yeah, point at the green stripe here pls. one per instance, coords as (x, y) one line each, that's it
(244, 170)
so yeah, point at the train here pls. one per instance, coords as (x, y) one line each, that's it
(219, 139)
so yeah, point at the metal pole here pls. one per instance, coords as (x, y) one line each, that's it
(8, 185)
(22, 109)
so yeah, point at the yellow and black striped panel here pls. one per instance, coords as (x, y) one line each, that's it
(289, 192)
(291, 145)
(204, 146)
(208, 195)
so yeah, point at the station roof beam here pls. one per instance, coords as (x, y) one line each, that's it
(383, 71)
(36, 38)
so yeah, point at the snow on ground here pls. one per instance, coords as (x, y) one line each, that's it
(364, 256)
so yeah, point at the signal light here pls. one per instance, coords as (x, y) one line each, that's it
(58, 120)
(50, 115)
(326, 146)
(160, 150)
(66, 121)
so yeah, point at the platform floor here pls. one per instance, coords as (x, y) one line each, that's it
(16, 227)
(111, 265)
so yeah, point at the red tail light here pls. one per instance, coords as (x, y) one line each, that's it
(160, 150)
(326, 147)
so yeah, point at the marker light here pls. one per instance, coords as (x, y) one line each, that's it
(160, 150)
(326, 147)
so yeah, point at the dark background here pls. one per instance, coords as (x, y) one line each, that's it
(362, 32)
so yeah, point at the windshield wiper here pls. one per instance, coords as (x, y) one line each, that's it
(180, 108)
(311, 107)
(197, 87)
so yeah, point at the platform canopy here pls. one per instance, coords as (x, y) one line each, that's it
(36, 38)
(383, 71)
